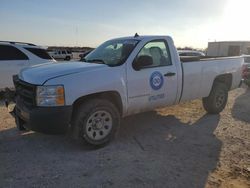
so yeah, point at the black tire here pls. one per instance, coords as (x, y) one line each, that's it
(67, 58)
(217, 99)
(19, 124)
(88, 130)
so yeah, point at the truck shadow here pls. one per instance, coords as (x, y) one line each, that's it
(241, 107)
(176, 154)
(151, 151)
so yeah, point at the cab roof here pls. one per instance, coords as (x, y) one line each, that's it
(143, 37)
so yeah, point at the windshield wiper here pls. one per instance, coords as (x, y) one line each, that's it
(95, 60)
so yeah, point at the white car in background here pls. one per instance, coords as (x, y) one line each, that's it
(15, 56)
(190, 53)
(61, 54)
(246, 70)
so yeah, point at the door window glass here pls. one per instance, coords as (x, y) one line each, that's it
(159, 53)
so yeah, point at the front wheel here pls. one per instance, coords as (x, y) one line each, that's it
(19, 124)
(97, 121)
(217, 99)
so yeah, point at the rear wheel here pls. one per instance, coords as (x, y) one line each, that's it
(217, 99)
(67, 58)
(96, 121)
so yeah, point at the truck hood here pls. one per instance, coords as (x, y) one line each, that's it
(39, 74)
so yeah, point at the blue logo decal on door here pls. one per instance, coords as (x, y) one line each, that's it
(156, 81)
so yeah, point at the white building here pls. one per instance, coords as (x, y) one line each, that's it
(228, 48)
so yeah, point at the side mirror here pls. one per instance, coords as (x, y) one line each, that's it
(142, 61)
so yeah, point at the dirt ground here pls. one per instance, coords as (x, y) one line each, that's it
(175, 147)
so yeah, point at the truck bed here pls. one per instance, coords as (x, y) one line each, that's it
(199, 75)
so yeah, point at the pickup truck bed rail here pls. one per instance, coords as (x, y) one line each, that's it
(187, 59)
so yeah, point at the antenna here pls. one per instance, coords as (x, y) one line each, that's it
(136, 35)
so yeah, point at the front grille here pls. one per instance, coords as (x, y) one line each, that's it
(25, 92)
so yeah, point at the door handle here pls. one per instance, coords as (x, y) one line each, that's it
(169, 74)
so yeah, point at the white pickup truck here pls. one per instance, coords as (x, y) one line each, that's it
(121, 77)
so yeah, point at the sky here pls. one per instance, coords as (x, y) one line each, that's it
(191, 23)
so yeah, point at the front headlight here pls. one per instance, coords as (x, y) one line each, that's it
(50, 96)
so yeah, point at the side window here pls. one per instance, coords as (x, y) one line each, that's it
(159, 53)
(39, 52)
(63, 52)
(195, 54)
(11, 53)
(183, 54)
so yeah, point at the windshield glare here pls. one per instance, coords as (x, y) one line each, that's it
(112, 53)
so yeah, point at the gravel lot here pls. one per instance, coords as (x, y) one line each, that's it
(179, 146)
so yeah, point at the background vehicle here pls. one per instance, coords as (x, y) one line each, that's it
(83, 55)
(246, 70)
(121, 77)
(15, 56)
(191, 53)
(61, 54)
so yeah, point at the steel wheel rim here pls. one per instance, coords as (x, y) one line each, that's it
(220, 99)
(99, 125)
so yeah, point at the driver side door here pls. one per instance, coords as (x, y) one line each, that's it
(154, 85)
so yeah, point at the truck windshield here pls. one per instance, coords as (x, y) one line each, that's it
(112, 53)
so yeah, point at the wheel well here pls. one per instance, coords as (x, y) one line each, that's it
(225, 79)
(112, 96)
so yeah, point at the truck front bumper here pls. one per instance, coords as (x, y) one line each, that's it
(50, 120)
